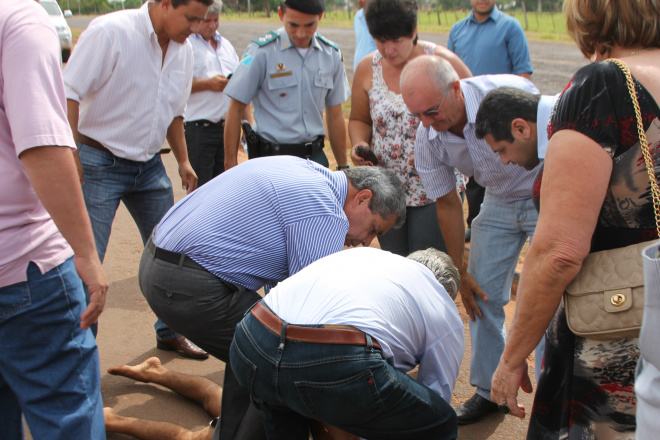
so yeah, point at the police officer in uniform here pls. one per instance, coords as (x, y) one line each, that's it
(290, 75)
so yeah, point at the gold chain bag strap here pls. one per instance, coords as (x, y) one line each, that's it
(606, 299)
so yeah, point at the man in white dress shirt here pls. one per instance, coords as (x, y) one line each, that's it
(215, 60)
(127, 84)
(337, 349)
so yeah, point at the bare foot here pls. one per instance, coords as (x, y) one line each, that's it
(144, 372)
(111, 419)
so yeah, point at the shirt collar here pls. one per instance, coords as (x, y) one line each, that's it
(546, 105)
(469, 95)
(217, 37)
(285, 41)
(146, 20)
(494, 15)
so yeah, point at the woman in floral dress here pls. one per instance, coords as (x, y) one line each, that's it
(381, 121)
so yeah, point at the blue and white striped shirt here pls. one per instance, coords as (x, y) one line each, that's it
(261, 221)
(438, 153)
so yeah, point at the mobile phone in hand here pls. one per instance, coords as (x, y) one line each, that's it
(367, 154)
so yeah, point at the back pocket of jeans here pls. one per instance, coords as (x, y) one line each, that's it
(350, 400)
(14, 298)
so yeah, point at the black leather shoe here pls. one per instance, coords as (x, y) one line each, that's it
(184, 347)
(475, 409)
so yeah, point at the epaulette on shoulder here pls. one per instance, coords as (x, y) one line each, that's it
(326, 41)
(266, 38)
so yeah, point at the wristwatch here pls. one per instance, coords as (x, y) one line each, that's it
(343, 167)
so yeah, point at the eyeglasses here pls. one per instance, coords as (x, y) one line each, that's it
(433, 111)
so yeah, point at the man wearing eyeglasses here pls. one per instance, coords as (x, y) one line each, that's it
(446, 139)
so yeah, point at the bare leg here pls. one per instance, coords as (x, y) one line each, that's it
(151, 430)
(198, 389)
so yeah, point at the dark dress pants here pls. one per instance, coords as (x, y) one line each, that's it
(206, 149)
(475, 197)
(205, 309)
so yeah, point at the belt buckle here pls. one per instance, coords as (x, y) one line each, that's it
(309, 148)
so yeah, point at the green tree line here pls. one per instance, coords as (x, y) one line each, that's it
(105, 6)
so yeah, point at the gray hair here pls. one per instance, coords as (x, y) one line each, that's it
(442, 267)
(435, 68)
(215, 8)
(388, 199)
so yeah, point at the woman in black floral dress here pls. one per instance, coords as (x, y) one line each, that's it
(594, 194)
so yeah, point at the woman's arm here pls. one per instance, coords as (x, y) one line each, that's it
(459, 66)
(359, 122)
(575, 180)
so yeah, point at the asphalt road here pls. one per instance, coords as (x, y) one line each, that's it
(553, 62)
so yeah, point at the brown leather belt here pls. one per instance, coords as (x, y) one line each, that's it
(329, 334)
(99, 146)
(92, 143)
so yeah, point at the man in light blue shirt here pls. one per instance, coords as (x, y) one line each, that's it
(337, 348)
(490, 41)
(446, 140)
(364, 42)
(214, 249)
(291, 76)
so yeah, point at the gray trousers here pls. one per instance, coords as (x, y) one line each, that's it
(205, 309)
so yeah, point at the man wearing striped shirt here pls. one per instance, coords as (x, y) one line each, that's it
(214, 249)
(127, 84)
(446, 140)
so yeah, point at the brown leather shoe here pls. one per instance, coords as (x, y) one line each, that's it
(184, 347)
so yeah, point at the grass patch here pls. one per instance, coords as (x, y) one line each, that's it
(539, 26)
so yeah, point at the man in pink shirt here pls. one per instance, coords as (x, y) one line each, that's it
(49, 363)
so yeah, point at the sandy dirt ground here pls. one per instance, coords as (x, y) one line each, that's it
(126, 332)
(126, 335)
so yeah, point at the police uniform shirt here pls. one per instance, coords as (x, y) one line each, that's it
(289, 92)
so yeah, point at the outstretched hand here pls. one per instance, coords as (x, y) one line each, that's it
(505, 385)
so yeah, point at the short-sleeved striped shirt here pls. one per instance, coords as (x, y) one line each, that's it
(261, 221)
(438, 153)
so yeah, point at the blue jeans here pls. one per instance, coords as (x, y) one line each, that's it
(498, 235)
(351, 387)
(144, 188)
(420, 231)
(49, 366)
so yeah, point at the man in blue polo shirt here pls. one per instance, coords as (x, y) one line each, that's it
(214, 249)
(489, 42)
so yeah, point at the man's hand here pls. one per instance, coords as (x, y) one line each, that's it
(90, 271)
(469, 288)
(357, 159)
(188, 177)
(504, 388)
(217, 83)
